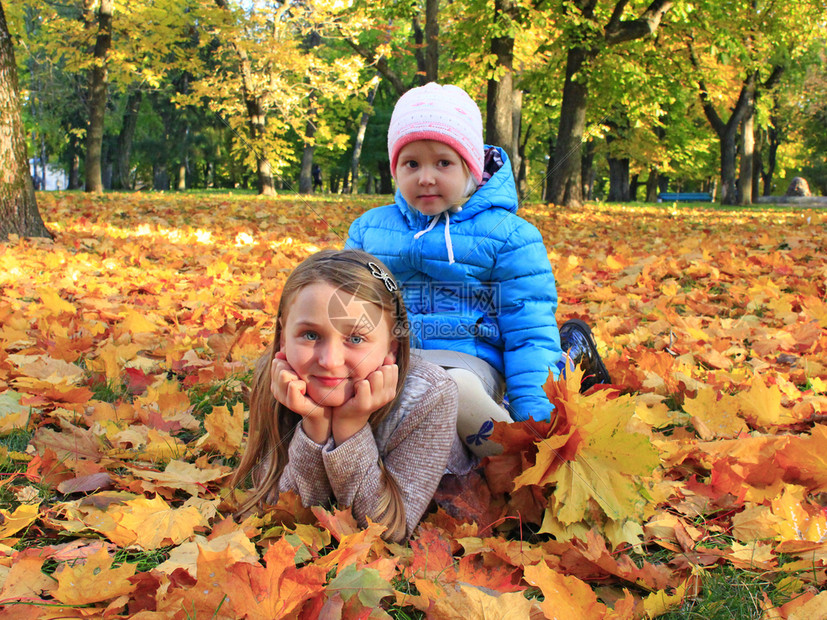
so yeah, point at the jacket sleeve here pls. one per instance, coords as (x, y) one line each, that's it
(304, 472)
(354, 236)
(527, 323)
(416, 455)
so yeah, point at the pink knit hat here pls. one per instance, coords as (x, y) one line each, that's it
(442, 113)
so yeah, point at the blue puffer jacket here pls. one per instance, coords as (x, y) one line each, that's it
(476, 281)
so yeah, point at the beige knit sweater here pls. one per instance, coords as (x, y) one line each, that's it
(417, 441)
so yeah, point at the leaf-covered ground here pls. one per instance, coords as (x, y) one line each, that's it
(125, 354)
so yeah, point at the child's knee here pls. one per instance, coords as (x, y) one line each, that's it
(467, 382)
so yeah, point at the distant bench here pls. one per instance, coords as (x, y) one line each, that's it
(685, 197)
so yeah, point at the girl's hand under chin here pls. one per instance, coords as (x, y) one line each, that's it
(371, 393)
(291, 392)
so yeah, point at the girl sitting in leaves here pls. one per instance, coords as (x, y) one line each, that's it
(339, 409)
(476, 277)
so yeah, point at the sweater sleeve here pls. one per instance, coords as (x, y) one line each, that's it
(527, 322)
(304, 472)
(416, 455)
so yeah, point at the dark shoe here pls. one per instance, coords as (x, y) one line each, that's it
(577, 341)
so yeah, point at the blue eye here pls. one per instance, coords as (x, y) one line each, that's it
(355, 339)
(312, 336)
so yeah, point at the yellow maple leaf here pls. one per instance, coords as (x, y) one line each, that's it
(53, 303)
(47, 368)
(152, 523)
(12, 522)
(137, 323)
(94, 580)
(112, 358)
(607, 466)
(799, 520)
(755, 522)
(762, 404)
(12, 414)
(179, 474)
(235, 546)
(469, 601)
(714, 415)
(658, 603)
(225, 430)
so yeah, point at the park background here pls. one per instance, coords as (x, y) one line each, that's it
(592, 100)
(694, 488)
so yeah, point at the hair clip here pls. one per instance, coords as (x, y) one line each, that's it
(383, 275)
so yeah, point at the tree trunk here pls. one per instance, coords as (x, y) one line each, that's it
(256, 115)
(97, 99)
(257, 120)
(747, 148)
(125, 137)
(499, 124)
(427, 44)
(587, 172)
(516, 121)
(360, 140)
(522, 172)
(43, 161)
(549, 169)
(182, 176)
(634, 183)
(306, 174)
(758, 164)
(652, 185)
(727, 132)
(18, 207)
(772, 156)
(74, 165)
(729, 152)
(566, 180)
(432, 40)
(385, 178)
(618, 179)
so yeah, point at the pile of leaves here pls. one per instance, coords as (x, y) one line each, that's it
(126, 348)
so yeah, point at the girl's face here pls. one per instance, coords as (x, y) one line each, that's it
(431, 176)
(332, 339)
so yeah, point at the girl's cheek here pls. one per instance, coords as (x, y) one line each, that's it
(299, 356)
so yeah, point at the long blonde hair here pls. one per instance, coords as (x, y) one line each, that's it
(272, 424)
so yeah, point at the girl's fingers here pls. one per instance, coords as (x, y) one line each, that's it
(289, 390)
(389, 375)
(296, 399)
(362, 397)
(373, 392)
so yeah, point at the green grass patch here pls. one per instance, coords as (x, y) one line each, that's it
(228, 393)
(728, 592)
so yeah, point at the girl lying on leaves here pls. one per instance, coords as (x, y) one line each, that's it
(339, 408)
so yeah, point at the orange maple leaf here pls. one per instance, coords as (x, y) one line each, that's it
(805, 459)
(564, 596)
(276, 591)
